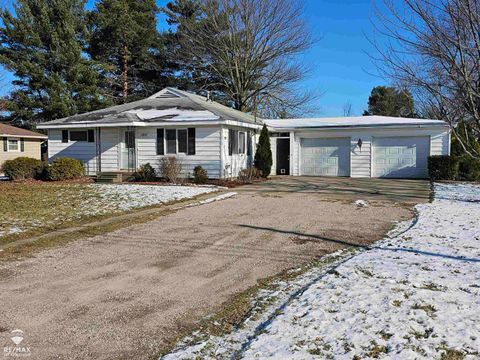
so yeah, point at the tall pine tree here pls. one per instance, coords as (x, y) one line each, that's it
(42, 43)
(125, 40)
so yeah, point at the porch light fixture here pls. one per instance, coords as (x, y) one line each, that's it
(359, 143)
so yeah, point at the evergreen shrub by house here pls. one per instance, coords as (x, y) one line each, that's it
(145, 173)
(468, 169)
(263, 155)
(22, 168)
(65, 169)
(200, 175)
(442, 167)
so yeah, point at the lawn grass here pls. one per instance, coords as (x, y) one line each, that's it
(32, 208)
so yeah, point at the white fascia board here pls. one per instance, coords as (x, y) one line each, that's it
(202, 122)
(358, 127)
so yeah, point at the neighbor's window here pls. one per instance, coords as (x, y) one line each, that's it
(241, 142)
(171, 141)
(78, 135)
(13, 145)
(182, 141)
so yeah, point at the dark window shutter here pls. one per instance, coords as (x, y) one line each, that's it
(22, 144)
(64, 136)
(249, 143)
(5, 144)
(191, 141)
(91, 136)
(160, 142)
(231, 135)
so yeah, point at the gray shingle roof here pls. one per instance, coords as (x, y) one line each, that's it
(167, 103)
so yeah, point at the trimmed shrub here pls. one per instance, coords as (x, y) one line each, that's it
(442, 167)
(468, 169)
(145, 173)
(263, 155)
(200, 175)
(171, 168)
(22, 168)
(249, 174)
(65, 169)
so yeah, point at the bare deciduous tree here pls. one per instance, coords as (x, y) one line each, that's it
(347, 108)
(433, 49)
(247, 49)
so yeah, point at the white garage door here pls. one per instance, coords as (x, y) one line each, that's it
(401, 157)
(325, 157)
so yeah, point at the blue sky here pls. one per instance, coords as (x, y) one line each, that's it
(340, 68)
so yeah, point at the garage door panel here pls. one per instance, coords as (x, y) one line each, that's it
(325, 156)
(401, 157)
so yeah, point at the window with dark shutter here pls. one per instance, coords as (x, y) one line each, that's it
(5, 144)
(171, 141)
(160, 142)
(232, 142)
(64, 136)
(91, 136)
(241, 142)
(22, 144)
(191, 141)
(249, 143)
(182, 141)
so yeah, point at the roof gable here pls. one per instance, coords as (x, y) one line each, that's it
(167, 105)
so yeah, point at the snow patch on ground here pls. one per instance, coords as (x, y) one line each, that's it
(130, 196)
(101, 199)
(414, 295)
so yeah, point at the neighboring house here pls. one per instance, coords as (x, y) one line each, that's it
(222, 140)
(18, 142)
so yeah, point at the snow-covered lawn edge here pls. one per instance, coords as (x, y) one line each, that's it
(78, 202)
(415, 294)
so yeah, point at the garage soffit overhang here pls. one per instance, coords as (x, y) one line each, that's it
(383, 126)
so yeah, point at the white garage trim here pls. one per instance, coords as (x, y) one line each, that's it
(400, 156)
(325, 156)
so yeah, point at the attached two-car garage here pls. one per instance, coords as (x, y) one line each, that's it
(395, 157)
(368, 146)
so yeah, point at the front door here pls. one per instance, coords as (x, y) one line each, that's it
(128, 150)
(283, 156)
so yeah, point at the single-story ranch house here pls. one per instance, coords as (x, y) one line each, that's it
(222, 140)
(19, 142)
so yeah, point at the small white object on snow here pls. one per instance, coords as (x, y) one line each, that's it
(361, 203)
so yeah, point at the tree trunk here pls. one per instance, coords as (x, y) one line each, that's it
(125, 72)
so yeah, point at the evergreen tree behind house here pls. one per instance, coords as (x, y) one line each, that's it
(389, 101)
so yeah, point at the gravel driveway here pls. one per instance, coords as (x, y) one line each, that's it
(126, 293)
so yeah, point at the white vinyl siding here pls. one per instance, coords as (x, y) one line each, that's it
(80, 150)
(207, 154)
(401, 156)
(109, 139)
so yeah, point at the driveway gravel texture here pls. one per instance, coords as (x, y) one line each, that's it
(413, 295)
(126, 294)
